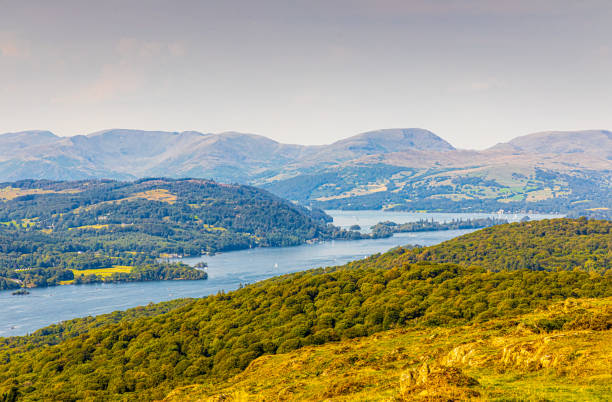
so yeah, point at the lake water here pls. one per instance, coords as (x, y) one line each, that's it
(366, 219)
(20, 315)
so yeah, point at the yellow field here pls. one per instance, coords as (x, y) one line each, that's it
(24, 223)
(102, 272)
(90, 227)
(8, 193)
(214, 228)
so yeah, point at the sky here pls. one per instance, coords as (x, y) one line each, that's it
(309, 72)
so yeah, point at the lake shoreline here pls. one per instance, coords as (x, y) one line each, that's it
(227, 271)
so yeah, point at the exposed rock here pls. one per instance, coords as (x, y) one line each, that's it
(437, 383)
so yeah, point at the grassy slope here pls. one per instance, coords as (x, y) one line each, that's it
(215, 338)
(511, 359)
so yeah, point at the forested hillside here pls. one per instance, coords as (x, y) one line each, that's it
(50, 230)
(553, 245)
(558, 353)
(211, 339)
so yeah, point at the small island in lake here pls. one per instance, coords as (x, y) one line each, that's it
(387, 228)
(20, 292)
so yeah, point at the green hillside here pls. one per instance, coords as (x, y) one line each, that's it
(553, 245)
(471, 187)
(50, 230)
(501, 360)
(210, 340)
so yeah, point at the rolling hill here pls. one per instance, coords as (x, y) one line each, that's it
(52, 232)
(410, 169)
(514, 359)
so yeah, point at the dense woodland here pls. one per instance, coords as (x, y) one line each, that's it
(552, 245)
(210, 339)
(49, 228)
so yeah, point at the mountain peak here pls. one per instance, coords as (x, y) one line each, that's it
(12, 142)
(120, 132)
(34, 134)
(395, 140)
(562, 142)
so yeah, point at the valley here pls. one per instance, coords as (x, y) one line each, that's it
(225, 271)
(360, 266)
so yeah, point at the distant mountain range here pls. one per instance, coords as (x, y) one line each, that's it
(394, 168)
(125, 154)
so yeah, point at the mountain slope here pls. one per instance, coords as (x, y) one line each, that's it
(524, 358)
(382, 142)
(409, 169)
(10, 142)
(563, 142)
(214, 338)
(394, 140)
(547, 172)
(120, 153)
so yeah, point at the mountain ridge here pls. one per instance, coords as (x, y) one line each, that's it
(562, 142)
(103, 152)
(389, 168)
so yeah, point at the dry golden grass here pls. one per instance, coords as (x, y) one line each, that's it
(9, 193)
(505, 360)
(159, 194)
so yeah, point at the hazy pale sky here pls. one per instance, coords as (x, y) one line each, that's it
(310, 72)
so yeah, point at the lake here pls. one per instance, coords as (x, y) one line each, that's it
(20, 315)
(365, 219)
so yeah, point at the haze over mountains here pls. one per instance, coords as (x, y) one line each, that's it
(389, 168)
(124, 154)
